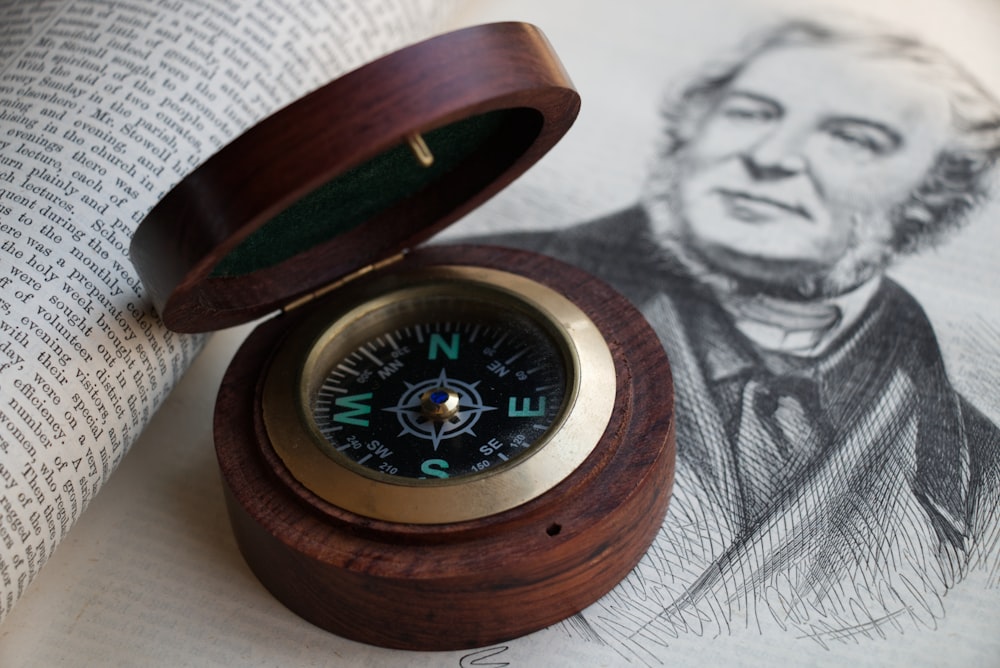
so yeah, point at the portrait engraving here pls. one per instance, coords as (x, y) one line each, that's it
(831, 482)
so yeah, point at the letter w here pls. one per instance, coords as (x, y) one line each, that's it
(356, 408)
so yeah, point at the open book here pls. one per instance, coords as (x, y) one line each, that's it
(104, 106)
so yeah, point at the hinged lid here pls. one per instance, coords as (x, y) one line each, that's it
(329, 184)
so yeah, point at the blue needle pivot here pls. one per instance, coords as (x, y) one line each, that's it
(439, 404)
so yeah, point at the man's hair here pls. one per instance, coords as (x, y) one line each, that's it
(959, 179)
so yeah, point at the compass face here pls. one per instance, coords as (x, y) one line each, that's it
(438, 395)
(463, 389)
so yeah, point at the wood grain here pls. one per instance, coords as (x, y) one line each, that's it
(471, 583)
(335, 128)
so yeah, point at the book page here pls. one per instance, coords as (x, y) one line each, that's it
(861, 558)
(103, 107)
(768, 185)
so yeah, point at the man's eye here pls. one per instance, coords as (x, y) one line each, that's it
(873, 140)
(743, 113)
(744, 108)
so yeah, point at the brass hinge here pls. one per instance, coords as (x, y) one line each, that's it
(305, 299)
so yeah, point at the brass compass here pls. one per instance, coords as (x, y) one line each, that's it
(443, 395)
(428, 448)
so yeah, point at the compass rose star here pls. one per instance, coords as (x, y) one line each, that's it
(414, 422)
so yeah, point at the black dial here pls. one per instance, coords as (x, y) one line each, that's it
(457, 387)
(438, 395)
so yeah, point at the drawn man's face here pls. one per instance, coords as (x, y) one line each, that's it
(807, 151)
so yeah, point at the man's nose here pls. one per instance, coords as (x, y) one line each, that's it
(776, 156)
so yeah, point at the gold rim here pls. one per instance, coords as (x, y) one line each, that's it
(300, 365)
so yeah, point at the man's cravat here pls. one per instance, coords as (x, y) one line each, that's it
(779, 433)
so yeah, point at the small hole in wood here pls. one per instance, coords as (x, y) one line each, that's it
(554, 529)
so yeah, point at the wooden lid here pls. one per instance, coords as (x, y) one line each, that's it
(329, 185)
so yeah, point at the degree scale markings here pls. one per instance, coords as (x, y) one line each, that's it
(342, 366)
(364, 351)
(515, 357)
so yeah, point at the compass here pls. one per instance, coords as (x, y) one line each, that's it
(468, 445)
(427, 447)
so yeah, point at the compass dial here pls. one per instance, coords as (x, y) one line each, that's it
(443, 397)
(439, 395)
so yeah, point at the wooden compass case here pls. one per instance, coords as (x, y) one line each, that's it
(326, 193)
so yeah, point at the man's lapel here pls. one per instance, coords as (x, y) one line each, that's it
(853, 512)
(709, 490)
(849, 548)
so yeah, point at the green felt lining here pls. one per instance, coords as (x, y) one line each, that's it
(359, 194)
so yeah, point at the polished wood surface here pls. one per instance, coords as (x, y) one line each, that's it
(323, 135)
(471, 583)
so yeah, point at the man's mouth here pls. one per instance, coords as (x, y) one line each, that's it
(755, 208)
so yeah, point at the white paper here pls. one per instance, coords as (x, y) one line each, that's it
(151, 575)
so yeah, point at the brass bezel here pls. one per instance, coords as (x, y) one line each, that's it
(302, 361)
